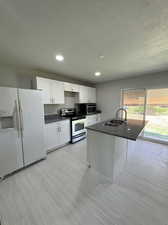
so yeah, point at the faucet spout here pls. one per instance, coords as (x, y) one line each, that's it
(121, 109)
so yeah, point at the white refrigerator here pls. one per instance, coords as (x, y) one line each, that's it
(21, 129)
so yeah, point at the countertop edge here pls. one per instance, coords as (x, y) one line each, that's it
(94, 113)
(56, 120)
(107, 133)
(134, 137)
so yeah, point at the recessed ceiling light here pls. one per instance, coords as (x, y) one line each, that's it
(59, 58)
(101, 56)
(97, 74)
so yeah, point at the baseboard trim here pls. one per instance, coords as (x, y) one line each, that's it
(153, 140)
(56, 148)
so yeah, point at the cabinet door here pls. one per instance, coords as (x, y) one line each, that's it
(52, 137)
(91, 95)
(65, 132)
(57, 92)
(75, 88)
(90, 120)
(67, 86)
(98, 118)
(83, 94)
(44, 85)
(71, 87)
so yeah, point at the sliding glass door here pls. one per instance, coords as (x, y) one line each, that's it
(134, 102)
(157, 114)
(150, 105)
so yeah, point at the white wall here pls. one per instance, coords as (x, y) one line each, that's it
(8, 77)
(108, 94)
(11, 77)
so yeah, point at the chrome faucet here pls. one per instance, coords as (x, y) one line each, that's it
(121, 109)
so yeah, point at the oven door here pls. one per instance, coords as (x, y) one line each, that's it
(78, 126)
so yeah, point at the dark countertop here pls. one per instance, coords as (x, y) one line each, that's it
(98, 112)
(54, 118)
(129, 130)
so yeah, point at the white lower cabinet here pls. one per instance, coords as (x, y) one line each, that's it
(92, 119)
(57, 134)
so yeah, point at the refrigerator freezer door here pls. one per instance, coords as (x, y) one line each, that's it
(32, 123)
(7, 101)
(11, 156)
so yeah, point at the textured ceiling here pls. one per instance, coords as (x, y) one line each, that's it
(131, 34)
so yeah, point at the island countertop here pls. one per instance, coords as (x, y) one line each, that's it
(129, 130)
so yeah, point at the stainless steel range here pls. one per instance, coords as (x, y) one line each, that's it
(78, 131)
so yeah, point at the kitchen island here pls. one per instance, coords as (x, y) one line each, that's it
(107, 145)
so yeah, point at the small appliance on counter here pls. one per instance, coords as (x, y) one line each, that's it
(77, 122)
(86, 108)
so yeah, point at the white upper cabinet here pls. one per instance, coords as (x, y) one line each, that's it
(52, 90)
(87, 95)
(44, 85)
(92, 95)
(83, 94)
(57, 92)
(71, 87)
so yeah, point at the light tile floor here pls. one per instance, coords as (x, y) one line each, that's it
(63, 191)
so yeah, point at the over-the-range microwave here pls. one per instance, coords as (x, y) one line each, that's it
(86, 108)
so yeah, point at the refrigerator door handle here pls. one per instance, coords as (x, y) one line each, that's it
(16, 111)
(21, 117)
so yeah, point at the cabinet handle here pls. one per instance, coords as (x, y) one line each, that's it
(59, 129)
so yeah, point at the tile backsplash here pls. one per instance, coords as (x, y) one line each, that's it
(70, 99)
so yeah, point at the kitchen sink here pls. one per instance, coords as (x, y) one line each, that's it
(114, 123)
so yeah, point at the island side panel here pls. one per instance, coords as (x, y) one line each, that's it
(120, 156)
(100, 152)
(106, 153)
